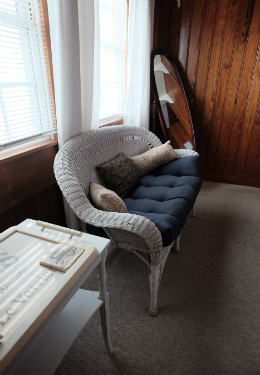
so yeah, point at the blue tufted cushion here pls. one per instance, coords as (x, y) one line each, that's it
(165, 196)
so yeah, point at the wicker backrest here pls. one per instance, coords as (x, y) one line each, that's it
(82, 154)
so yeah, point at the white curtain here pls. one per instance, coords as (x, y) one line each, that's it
(140, 41)
(75, 43)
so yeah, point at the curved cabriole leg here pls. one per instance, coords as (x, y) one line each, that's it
(154, 284)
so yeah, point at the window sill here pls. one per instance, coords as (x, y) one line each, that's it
(24, 151)
(117, 121)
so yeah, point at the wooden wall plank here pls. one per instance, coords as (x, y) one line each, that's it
(55, 203)
(26, 209)
(8, 219)
(249, 139)
(185, 30)
(244, 92)
(247, 131)
(227, 130)
(24, 177)
(251, 165)
(213, 74)
(164, 16)
(203, 66)
(156, 26)
(174, 29)
(257, 160)
(194, 47)
(234, 14)
(47, 206)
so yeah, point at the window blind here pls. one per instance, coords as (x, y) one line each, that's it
(113, 45)
(26, 98)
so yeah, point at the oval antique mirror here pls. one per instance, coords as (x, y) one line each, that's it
(170, 101)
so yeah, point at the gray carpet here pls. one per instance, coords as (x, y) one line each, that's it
(209, 299)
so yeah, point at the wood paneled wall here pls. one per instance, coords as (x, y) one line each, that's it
(216, 44)
(28, 189)
(46, 205)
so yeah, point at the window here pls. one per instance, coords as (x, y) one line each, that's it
(26, 99)
(113, 47)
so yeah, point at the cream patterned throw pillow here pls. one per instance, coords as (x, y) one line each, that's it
(153, 158)
(106, 200)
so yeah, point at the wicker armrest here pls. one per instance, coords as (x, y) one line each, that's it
(117, 224)
(78, 201)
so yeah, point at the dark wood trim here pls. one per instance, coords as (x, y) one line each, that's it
(12, 155)
(232, 178)
(48, 53)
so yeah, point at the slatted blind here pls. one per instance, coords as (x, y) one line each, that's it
(113, 44)
(26, 100)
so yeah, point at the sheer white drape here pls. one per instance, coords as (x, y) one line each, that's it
(75, 43)
(140, 41)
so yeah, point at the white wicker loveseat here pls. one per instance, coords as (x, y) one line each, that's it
(74, 167)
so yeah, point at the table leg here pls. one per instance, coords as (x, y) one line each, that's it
(104, 309)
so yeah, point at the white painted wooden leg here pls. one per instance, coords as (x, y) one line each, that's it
(154, 284)
(104, 309)
(192, 213)
(105, 322)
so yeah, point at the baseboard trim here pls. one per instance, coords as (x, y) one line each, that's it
(232, 178)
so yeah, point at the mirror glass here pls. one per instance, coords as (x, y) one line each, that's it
(172, 102)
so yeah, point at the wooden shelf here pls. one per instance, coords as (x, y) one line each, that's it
(44, 355)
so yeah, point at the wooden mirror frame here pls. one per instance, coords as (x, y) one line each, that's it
(156, 107)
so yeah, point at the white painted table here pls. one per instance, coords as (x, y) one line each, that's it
(45, 350)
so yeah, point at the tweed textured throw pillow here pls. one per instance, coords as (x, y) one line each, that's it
(153, 158)
(119, 174)
(105, 200)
